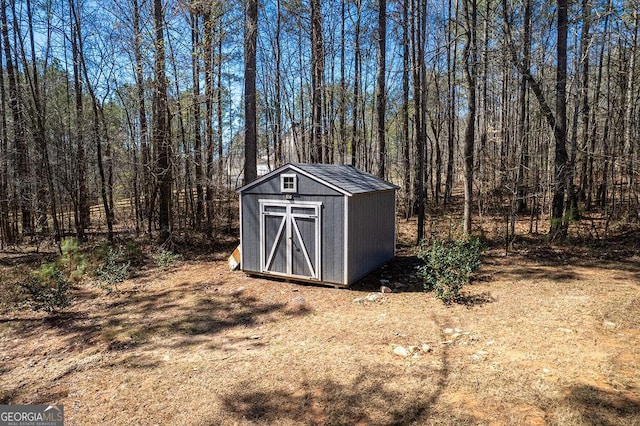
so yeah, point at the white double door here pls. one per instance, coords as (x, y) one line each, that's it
(290, 238)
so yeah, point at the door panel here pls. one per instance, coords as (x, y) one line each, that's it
(274, 243)
(290, 239)
(304, 246)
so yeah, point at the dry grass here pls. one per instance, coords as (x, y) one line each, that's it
(548, 335)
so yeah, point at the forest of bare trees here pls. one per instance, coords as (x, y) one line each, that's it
(143, 116)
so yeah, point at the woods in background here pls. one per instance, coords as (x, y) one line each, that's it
(144, 115)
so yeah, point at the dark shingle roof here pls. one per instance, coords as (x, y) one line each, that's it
(346, 177)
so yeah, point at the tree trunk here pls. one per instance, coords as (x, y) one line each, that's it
(83, 201)
(471, 61)
(381, 90)
(342, 107)
(6, 233)
(452, 53)
(142, 119)
(19, 138)
(406, 147)
(317, 83)
(357, 70)
(418, 22)
(558, 226)
(279, 158)
(161, 130)
(197, 134)
(250, 137)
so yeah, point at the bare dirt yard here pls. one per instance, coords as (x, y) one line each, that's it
(549, 334)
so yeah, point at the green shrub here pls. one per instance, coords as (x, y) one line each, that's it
(72, 262)
(48, 287)
(133, 254)
(112, 271)
(165, 258)
(47, 290)
(448, 265)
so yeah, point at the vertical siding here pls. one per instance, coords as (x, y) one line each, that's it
(371, 232)
(331, 233)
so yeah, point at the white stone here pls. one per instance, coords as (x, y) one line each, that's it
(400, 351)
(373, 297)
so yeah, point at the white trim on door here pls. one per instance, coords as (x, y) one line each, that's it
(291, 229)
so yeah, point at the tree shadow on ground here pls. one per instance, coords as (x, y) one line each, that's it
(371, 397)
(604, 408)
(139, 321)
(471, 300)
(619, 252)
(400, 274)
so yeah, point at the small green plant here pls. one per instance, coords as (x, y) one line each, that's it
(133, 253)
(47, 290)
(448, 265)
(72, 262)
(112, 271)
(165, 258)
(48, 287)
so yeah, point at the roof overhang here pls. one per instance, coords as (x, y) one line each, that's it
(297, 170)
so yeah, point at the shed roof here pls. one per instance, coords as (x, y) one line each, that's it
(345, 178)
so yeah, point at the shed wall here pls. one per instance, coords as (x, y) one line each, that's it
(332, 223)
(371, 232)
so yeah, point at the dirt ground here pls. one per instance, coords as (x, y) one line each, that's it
(545, 335)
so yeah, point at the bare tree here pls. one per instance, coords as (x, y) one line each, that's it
(471, 74)
(317, 83)
(161, 127)
(250, 136)
(381, 95)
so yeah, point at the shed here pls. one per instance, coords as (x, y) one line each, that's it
(317, 222)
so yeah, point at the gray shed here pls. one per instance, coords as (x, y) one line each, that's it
(317, 222)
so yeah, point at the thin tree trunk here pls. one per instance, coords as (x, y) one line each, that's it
(197, 135)
(142, 119)
(108, 207)
(418, 94)
(219, 106)
(406, 147)
(628, 148)
(19, 138)
(357, 70)
(5, 222)
(83, 201)
(40, 130)
(452, 53)
(381, 90)
(279, 158)
(209, 31)
(343, 89)
(188, 185)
